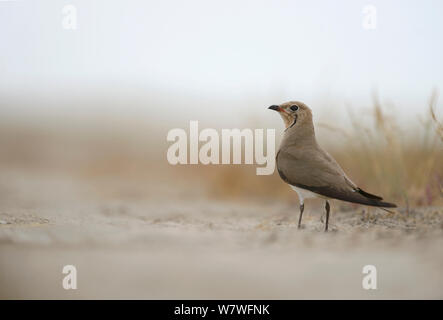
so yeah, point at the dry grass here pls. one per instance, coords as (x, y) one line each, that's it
(401, 163)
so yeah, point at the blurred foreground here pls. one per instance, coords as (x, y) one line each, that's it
(180, 246)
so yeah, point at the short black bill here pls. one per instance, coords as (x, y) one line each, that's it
(274, 107)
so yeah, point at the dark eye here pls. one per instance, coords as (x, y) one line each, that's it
(294, 108)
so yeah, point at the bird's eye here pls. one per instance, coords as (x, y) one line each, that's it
(294, 108)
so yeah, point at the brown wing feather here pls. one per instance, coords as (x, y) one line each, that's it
(318, 172)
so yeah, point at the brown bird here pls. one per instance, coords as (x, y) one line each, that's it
(309, 169)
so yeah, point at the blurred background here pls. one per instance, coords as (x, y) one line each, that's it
(98, 100)
(84, 112)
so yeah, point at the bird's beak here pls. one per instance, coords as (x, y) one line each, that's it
(275, 107)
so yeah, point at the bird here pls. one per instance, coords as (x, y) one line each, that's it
(310, 170)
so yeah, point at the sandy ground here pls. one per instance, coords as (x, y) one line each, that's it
(176, 243)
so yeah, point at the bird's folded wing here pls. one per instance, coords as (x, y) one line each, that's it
(316, 171)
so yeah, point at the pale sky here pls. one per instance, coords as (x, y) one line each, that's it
(304, 50)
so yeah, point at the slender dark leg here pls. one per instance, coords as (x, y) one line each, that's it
(327, 207)
(302, 207)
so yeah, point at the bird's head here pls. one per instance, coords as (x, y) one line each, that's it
(294, 113)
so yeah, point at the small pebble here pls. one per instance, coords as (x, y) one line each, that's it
(4, 222)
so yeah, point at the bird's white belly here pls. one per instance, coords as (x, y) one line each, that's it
(306, 194)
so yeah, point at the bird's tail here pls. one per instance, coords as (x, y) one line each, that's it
(376, 201)
(384, 204)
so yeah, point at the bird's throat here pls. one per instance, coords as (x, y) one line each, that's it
(292, 124)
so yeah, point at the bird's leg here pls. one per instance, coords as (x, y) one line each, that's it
(327, 207)
(302, 207)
